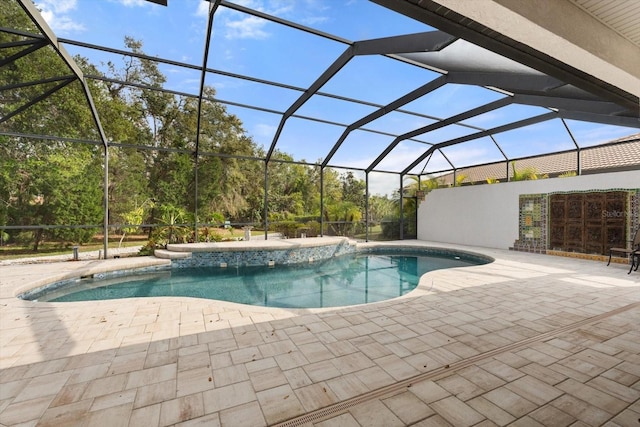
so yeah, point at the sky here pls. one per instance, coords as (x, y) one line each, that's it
(247, 45)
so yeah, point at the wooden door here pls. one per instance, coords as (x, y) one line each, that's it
(587, 222)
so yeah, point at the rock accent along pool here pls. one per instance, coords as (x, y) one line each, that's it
(289, 251)
(256, 252)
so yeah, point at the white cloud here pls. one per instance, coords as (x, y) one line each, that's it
(314, 20)
(383, 184)
(263, 130)
(61, 6)
(250, 27)
(133, 3)
(56, 14)
(600, 134)
(203, 9)
(241, 26)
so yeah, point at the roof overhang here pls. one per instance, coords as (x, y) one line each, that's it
(554, 37)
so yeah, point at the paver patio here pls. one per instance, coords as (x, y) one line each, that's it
(526, 340)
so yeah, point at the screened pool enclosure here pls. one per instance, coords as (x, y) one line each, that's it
(184, 120)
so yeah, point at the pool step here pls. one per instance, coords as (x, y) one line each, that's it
(165, 254)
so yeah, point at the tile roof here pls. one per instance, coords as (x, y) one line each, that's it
(617, 155)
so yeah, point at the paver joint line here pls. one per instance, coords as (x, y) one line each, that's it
(392, 389)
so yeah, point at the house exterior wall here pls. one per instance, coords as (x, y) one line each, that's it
(488, 215)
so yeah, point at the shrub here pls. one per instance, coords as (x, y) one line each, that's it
(312, 228)
(287, 228)
(149, 248)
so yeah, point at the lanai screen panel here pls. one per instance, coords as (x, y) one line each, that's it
(505, 115)
(293, 46)
(252, 93)
(481, 150)
(399, 123)
(360, 148)
(260, 125)
(545, 137)
(436, 164)
(447, 133)
(453, 99)
(589, 134)
(334, 109)
(250, 45)
(401, 155)
(307, 140)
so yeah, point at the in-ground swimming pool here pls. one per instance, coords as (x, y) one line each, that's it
(345, 280)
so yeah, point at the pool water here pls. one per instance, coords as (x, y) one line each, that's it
(345, 280)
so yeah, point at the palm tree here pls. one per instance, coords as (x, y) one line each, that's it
(526, 174)
(342, 217)
(172, 229)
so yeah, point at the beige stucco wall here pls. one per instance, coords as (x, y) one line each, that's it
(487, 215)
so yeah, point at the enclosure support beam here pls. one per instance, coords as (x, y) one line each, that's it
(195, 197)
(578, 165)
(106, 200)
(627, 121)
(203, 75)
(35, 45)
(366, 206)
(36, 100)
(455, 171)
(321, 201)
(266, 200)
(401, 208)
(44, 28)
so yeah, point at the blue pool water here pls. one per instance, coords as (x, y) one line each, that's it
(345, 280)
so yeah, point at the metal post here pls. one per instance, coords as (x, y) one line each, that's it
(401, 208)
(321, 201)
(366, 206)
(106, 199)
(266, 199)
(203, 75)
(579, 161)
(578, 149)
(195, 201)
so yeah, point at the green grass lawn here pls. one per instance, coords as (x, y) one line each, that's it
(14, 251)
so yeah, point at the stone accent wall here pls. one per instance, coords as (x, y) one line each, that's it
(264, 257)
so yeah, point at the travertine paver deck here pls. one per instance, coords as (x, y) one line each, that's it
(527, 340)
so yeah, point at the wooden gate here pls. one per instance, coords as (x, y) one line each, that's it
(587, 222)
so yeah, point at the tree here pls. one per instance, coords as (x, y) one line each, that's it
(172, 228)
(293, 189)
(59, 187)
(46, 182)
(526, 174)
(230, 185)
(380, 207)
(353, 190)
(134, 218)
(343, 217)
